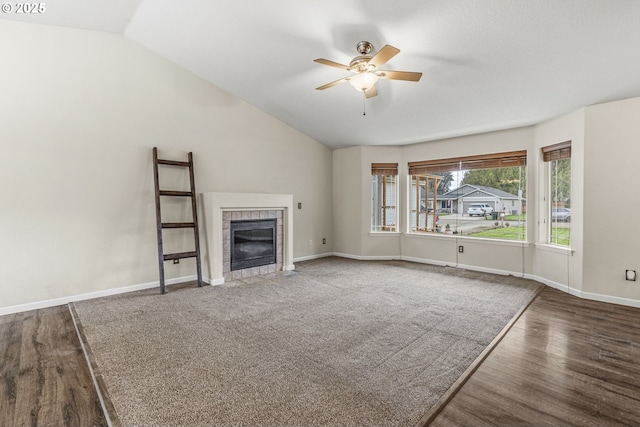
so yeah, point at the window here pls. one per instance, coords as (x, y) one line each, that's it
(384, 179)
(478, 196)
(558, 159)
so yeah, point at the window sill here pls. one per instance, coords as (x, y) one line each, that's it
(429, 235)
(499, 242)
(547, 247)
(383, 233)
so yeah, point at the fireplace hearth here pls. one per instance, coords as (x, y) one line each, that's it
(253, 243)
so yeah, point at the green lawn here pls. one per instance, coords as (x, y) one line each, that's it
(507, 233)
(522, 218)
(559, 236)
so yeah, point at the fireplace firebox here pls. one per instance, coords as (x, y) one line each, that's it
(253, 243)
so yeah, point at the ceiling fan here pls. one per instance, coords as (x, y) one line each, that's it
(366, 68)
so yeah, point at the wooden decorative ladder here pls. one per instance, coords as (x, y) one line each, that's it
(162, 257)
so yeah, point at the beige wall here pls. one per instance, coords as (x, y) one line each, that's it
(79, 114)
(348, 207)
(81, 110)
(490, 256)
(605, 206)
(379, 245)
(611, 199)
(482, 255)
(561, 268)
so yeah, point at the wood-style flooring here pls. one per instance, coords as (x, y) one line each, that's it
(566, 361)
(45, 379)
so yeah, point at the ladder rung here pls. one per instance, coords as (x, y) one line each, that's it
(173, 163)
(178, 225)
(180, 255)
(175, 193)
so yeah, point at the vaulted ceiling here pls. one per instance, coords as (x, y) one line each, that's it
(487, 65)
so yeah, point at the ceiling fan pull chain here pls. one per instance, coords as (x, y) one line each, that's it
(364, 104)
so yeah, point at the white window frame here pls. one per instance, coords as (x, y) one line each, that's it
(384, 198)
(551, 154)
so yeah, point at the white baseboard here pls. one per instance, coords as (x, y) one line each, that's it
(366, 258)
(610, 299)
(430, 262)
(214, 282)
(555, 285)
(310, 257)
(490, 270)
(586, 295)
(464, 266)
(98, 294)
(559, 286)
(425, 261)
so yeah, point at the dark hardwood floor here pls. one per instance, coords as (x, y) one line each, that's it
(566, 361)
(45, 379)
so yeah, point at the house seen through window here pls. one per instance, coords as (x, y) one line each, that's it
(477, 196)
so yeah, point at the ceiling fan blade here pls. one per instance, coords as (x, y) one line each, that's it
(332, 64)
(399, 75)
(332, 84)
(383, 55)
(371, 92)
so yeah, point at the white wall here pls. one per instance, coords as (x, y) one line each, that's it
(79, 114)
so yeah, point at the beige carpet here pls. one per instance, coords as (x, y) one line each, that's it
(336, 343)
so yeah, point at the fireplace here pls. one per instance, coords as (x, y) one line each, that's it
(253, 243)
(222, 208)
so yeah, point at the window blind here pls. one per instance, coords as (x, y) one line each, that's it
(557, 151)
(384, 169)
(483, 161)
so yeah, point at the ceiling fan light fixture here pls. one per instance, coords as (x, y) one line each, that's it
(363, 81)
(367, 69)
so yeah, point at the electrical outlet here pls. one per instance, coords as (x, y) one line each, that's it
(310, 242)
(631, 275)
(176, 261)
(299, 205)
(461, 249)
(324, 241)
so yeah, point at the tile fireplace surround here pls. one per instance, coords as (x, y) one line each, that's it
(227, 217)
(220, 208)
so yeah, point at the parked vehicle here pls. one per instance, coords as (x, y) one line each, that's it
(480, 209)
(561, 214)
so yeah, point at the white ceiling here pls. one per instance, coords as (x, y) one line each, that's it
(486, 65)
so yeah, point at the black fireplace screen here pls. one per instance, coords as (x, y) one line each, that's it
(253, 243)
